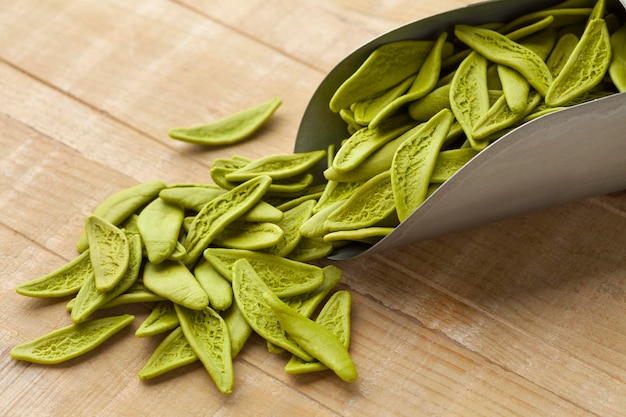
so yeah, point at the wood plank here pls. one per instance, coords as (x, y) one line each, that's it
(327, 30)
(97, 137)
(531, 287)
(518, 304)
(399, 359)
(40, 200)
(175, 68)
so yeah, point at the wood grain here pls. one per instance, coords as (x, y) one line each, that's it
(524, 317)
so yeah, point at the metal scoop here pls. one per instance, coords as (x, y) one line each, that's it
(562, 157)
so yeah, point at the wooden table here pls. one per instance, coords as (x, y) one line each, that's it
(522, 317)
